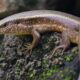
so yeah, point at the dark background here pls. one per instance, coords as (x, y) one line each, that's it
(68, 6)
(8, 7)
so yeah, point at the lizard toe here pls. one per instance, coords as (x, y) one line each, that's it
(28, 48)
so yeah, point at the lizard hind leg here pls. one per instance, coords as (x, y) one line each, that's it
(36, 38)
(63, 44)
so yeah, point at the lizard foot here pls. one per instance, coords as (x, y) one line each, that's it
(28, 47)
(55, 49)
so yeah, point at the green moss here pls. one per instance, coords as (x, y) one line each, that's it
(69, 56)
(47, 43)
(18, 69)
(67, 74)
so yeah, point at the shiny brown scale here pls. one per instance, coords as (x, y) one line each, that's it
(35, 26)
(27, 26)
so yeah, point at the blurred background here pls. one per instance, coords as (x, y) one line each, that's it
(8, 7)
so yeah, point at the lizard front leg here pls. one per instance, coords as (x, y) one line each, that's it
(65, 42)
(36, 38)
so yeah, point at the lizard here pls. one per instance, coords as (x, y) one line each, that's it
(40, 21)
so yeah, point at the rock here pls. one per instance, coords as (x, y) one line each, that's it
(8, 7)
(11, 47)
(79, 77)
(1, 73)
(3, 6)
